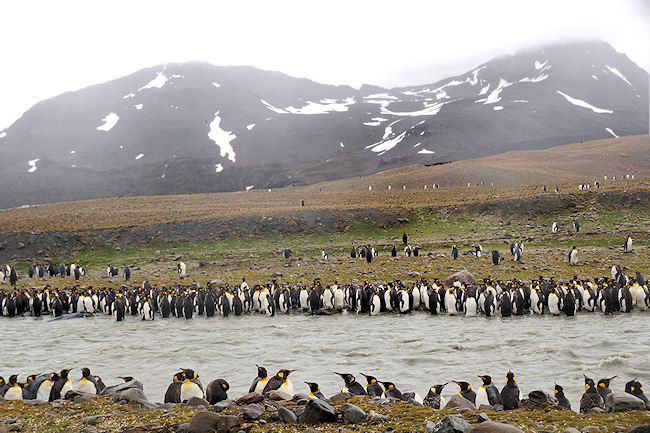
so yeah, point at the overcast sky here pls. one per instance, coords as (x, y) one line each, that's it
(49, 47)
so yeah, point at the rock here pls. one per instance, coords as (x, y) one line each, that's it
(376, 418)
(91, 420)
(197, 401)
(86, 430)
(252, 397)
(352, 414)
(482, 417)
(177, 258)
(226, 422)
(341, 396)
(253, 411)
(278, 396)
(402, 219)
(316, 412)
(541, 398)
(222, 405)
(81, 398)
(640, 429)
(182, 428)
(429, 426)
(287, 416)
(203, 263)
(589, 429)
(462, 276)
(495, 427)
(570, 430)
(623, 402)
(458, 401)
(451, 424)
(203, 422)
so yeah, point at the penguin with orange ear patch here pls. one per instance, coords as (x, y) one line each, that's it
(217, 391)
(590, 399)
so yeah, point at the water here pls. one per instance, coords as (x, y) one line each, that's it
(414, 351)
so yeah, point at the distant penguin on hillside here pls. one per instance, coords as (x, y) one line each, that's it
(454, 252)
(496, 258)
(576, 226)
(181, 268)
(405, 238)
(554, 227)
(478, 251)
(627, 247)
(393, 252)
(573, 256)
(324, 255)
(127, 273)
(286, 253)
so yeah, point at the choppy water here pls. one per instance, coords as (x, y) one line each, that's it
(414, 351)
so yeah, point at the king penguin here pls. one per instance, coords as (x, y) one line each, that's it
(372, 388)
(280, 382)
(488, 394)
(466, 391)
(351, 385)
(260, 381)
(603, 387)
(434, 398)
(561, 398)
(454, 252)
(314, 391)
(88, 383)
(14, 392)
(510, 393)
(173, 393)
(191, 386)
(573, 256)
(390, 391)
(217, 391)
(590, 399)
(635, 388)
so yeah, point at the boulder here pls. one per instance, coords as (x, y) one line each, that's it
(458, 401)
(461, 276)
(341, 396)
(226, 422)
(645, 428)
(203, 422)
(542, 397)
(287, 416)
(623, 402)
(495, 427)
(451, 424)
(252, 411)
(91, 420)
(253, 397)
(198, 401)
(352, 414)
(278, 396)
(376, 418)
(316, 412)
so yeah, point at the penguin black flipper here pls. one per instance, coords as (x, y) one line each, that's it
(173, 393)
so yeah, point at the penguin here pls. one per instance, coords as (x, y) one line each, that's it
(405, 238)
(510, 393)
(373, 388)
(554, 227)
(466, 391)
(181, 268)
(591, 398)
(314, 391)
(286, 253)
(368, 257)
(554, 302)
(496, 258)
(603, 387)
(14, 391)
(454, 252)
(375, 304)
(280, 382)
(353, 253)
(351, 385)
(42, 387)
(393, 252)
(260, 381)
(324, 255)
(576, 226)
(391, 392)
(470, 305)
(88, 383)
(573, 256)
(434, 398)
(217, 391)
(489, 305)
(487, 394)
(173, 393)
(478, 250)
(561, 398)
(61, 386)
(627, 246)
(635, 388)
(191, 386)
(127, 273)
(31, 272)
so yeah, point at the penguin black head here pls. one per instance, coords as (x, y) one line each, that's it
(126, 378)
(604, 383)
(64, 373)
(284, 373)
(13, 379)
(348, 378)
(190, 374)
(437, 389)
(313, 387)
(486, 380)
(2, 380)
(178, 377)
(558, 389)
(589, 383)
(261, 372)
(464, 386)
(387, 385)
(85, 372)
(32, 377)
(510, 376)
(224, 385)
(54, 377)
(370, 379)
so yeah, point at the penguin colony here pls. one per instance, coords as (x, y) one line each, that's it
(187, 384)
(488, 297)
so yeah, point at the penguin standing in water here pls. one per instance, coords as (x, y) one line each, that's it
(314, 391)
(173, 393)
(487, 394)
(627, 246)
(351, 385)
(561, 398)
(217, 391)
(573, 256)
(603, 387)
(260, 381)
(14, 391)
(510, 393)
(466, 391)
(191, 386)
(591, 398)
(280, 382)
(454, 252)
(434, 398)
(88, 383)
(372, 388)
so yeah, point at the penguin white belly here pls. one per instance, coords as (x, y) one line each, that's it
(327, 299)
(88, 304)
(66, 387)
(470, 306)
(443, 402)
(259, 388)
(641, 297)
(375, 306)
(15, 393)
(482, 397)
(339, 299)
(418, 398)
(387, 300)
(147, 311)
(190, 389)
(263, 305)
(80, 304)
(86, 386)
(304, 297)
(44, 390)
(554, 304)
(404, 305)
(450, 303)
(416, 298)
(287, 387)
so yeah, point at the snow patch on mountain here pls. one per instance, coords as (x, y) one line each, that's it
(130, 95)
(341, 143)
(157, 82)
(138, 106)
(540, 65)
(32, 165)
(497, 108)
(428, 110)
(222, 138)
(3, 134)
(619, 75)
(249, 187)
(611, 132)
(251, 126)
(495, 95)
(381, 96)
(218, 168)
(541, 76)
(594, 77)
(139, 156)
(215, 84)
(383, 146)
(425, 151)
(324, 106)
(109, 122)
(583, 104)
(272, 108)
(72, 152)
